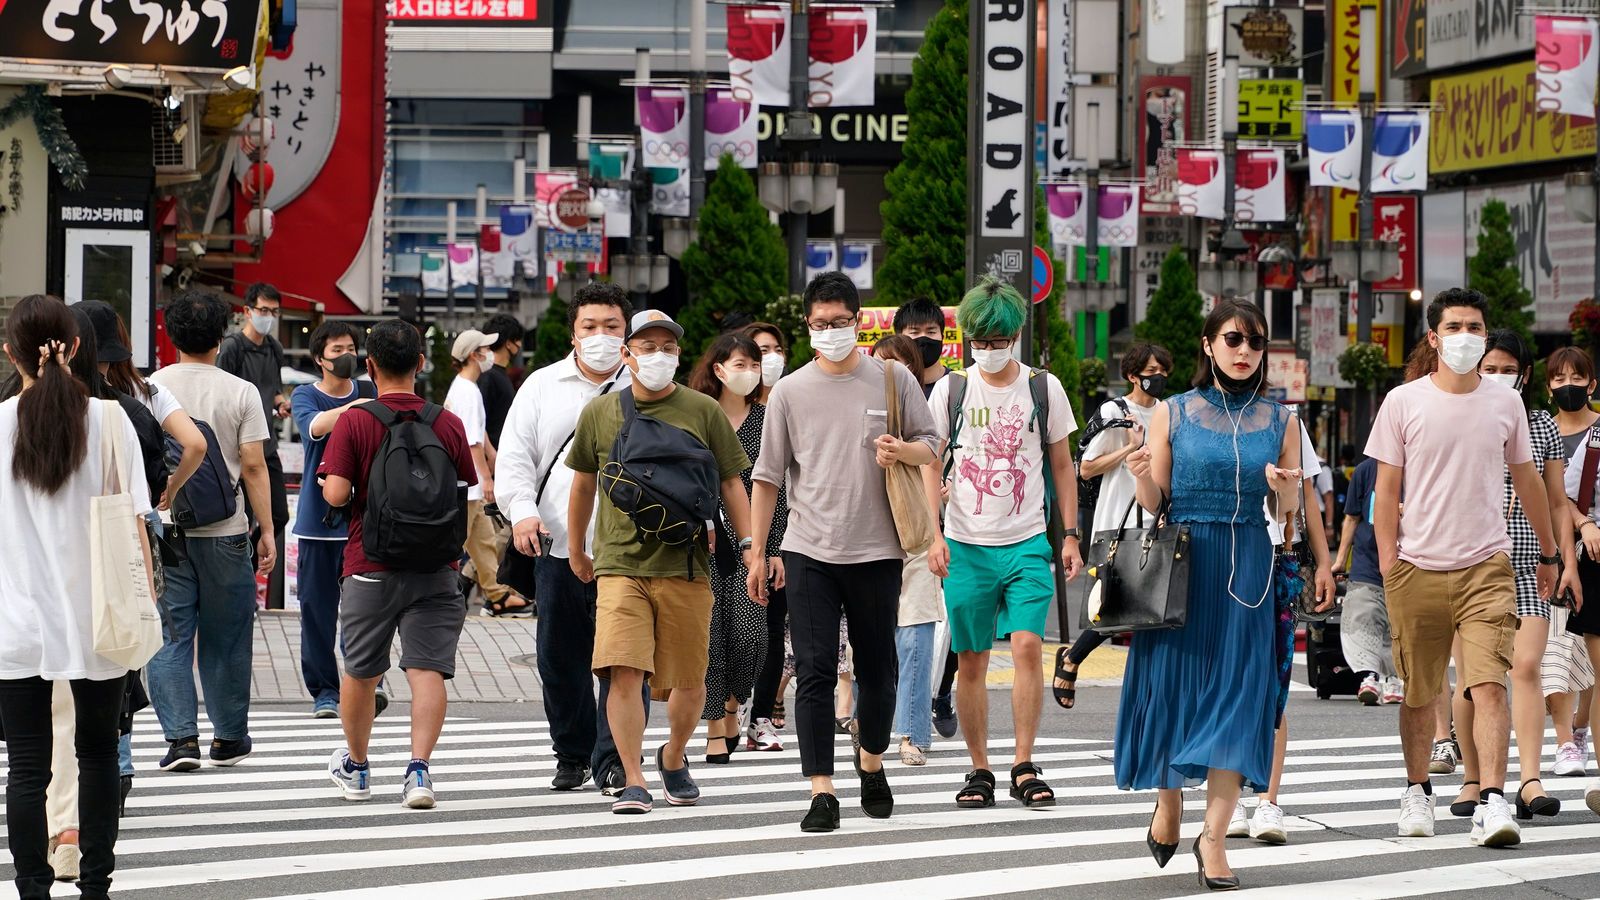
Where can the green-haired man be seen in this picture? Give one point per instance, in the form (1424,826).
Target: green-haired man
(1007,429)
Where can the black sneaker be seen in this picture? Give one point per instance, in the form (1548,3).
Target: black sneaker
(182,756)
(823,815)
(876,798)
(122,801)
(230,753)
(569,776)
(944,717)
(613,783)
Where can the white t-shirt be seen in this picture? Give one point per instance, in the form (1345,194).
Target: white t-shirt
(997,483)
(1309,468)
(466,401)
(46,612)
(232,407)
(161,404)
(1324,483)
(1118,486)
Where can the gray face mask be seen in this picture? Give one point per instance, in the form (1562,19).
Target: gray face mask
(343,366)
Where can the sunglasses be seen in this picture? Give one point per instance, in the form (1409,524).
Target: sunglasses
(1258,342)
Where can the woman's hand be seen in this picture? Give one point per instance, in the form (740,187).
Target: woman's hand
(1138,463)
(1282,479)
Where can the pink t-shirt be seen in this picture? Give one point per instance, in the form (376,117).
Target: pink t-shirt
(1452,448)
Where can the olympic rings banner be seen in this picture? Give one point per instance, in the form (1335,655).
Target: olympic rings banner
(1564,57)
(1118,223)
(842,47)
(1201,191)
(664,125)
(730,128)
(1069,216)
(1260,186)
(1334,139)
(1399,152)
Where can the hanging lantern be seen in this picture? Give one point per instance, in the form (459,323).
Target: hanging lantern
(257,179)
(258,135)
(258,223)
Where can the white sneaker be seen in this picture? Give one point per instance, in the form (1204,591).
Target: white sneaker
(1591,797)
(1416,813)
(1370,692)
(762,736)
(1394,690)
(1492,824)
(1569,760)
(1239,826)
(1266,825)
(355,785)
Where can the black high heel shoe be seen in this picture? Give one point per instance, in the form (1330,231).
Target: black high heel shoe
(1163,853)
(1231,883)
(1539,806)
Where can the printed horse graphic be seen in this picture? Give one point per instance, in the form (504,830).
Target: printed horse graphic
(996,482)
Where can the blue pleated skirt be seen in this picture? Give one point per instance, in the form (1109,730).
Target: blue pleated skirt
(1204,696)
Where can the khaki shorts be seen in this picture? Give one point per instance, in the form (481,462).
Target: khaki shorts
(660,626)
(1428,609)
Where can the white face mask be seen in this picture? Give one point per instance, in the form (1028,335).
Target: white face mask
(1506,379)
(991,361)
(835,344)
(656,370)
(1462,352)
(601,352)
(741,383)
(771,368)
(486,359)
(263,324)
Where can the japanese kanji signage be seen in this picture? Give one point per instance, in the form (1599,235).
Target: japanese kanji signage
(1394,219)
(1490,118)
(1269,109)
(464,10)
(184,34)
(1164,125)
(300,94)
(1261,37)
(104,216)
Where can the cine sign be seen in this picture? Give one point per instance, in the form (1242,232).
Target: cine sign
(1006,128)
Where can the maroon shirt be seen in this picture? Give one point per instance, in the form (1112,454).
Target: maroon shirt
(354,444)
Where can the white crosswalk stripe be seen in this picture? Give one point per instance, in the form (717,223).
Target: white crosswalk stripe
(273,828)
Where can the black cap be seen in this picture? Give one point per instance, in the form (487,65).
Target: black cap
(107,348)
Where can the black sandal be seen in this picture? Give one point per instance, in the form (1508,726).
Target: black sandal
(1539,806)
(1029,791)
(504,606)
(721,759)
(780,715)
(978,792)
(1463,809)
(1065,696)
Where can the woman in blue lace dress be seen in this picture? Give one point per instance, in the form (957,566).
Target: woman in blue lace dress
(1198,702)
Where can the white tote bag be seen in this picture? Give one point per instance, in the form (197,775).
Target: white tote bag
(127,626)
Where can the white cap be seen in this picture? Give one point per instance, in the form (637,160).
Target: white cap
(469,342)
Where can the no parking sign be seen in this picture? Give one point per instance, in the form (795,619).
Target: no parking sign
(1044,274)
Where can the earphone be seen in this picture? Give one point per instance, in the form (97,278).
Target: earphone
(1238,492)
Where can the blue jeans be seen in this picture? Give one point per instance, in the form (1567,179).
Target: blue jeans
(125,753)
(913,701)
(211,597)
(321,563)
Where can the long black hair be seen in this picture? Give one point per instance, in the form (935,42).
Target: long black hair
(52,429)
(1253,322)
(1504,339)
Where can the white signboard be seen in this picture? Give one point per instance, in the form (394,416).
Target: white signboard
(1006,124)
(300,94)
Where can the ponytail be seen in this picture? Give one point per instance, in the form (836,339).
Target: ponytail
(52,429)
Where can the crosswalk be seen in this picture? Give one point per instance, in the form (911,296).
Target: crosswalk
(274,828)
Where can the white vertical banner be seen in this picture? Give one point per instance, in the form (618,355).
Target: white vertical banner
(1333,138)
(821,256)
(1260,186)
(844,52)
(730,129)
(517,233)
(547,189)
(464,264)
(855,260)
(1006,124)
(758,54)
(1201,189)
(1117,223)
(1564,56)
(1164,31)
(1058,88)
(669,191)
(1069,214)
(1400,152)
(435,274)
(664,126)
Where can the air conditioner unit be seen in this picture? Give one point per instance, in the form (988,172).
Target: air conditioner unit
(175,137)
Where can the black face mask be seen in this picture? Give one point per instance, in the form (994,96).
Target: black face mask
(1230,385)
(931,349)
(343,366)
(1571,397)
(1154,385)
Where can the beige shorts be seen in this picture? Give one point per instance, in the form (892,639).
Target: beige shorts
(660,626)
(1428,609)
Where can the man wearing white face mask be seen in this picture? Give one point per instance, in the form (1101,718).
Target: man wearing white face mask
(254,354)
(534,487)
(1446,566)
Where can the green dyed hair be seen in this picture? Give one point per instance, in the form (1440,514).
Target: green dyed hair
(992,309)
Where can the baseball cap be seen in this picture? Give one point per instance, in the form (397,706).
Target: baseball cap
(654,318)
(108,348)
(469,342)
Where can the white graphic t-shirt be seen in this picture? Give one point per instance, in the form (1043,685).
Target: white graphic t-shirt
(997,484)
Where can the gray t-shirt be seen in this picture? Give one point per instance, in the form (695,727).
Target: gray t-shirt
(232,407)
(820,433)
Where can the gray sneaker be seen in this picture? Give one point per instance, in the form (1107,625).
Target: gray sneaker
(680,786)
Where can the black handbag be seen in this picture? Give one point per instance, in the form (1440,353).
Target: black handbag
(1138,578)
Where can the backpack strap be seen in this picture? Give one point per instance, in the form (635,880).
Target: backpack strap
(1039,389)
(378,410)
(629,409)
(429,413)
(956,395)
(1591,466)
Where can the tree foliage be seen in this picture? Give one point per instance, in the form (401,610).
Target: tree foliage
(1493,272)
(737,264)
(1174,318)
(552,338)
(925,215)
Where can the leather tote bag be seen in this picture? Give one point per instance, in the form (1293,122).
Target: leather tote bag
(907,500)
(127,626)
(1138,577)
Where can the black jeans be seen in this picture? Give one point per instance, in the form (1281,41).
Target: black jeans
(25,714)
(1086,643)
(766,692)
(564,642)
(869,595)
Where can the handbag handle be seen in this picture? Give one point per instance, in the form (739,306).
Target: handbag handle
(891,398)
(111,461)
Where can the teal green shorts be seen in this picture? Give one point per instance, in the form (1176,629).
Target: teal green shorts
(994,591)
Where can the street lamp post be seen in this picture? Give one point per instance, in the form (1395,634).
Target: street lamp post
(697,107)
(797,138)
(1367,101)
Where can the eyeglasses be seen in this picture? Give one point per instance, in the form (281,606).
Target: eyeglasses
(995,344)
(647,347)
(1258,342)
(264,310)
(845,322)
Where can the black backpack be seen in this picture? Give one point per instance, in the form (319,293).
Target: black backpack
(663,479)
(416,515)
(210,495)
(1089,488)
(152,444)
(1039,390)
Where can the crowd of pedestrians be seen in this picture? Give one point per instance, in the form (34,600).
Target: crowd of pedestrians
(699,545)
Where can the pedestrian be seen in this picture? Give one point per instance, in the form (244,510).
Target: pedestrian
(826,434)
(316,408)
(51,466)
(1450,437)
(210,597)
(777,666)
(1364,618)
(535,489)
(494,382)
(730,373)
(402,468)
(1508,360)
(1007,429)
(654,601)
(1572,383)
(1145,366)
(1568,671)
(921,613)
(471,355)
(254,354)
(1215,453)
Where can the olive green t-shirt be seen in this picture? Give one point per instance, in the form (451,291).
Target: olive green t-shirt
(617,547)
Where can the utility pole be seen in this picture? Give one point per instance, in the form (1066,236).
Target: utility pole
(697,107)
(1367,100)
(639,195)
(480,212)
(798,136)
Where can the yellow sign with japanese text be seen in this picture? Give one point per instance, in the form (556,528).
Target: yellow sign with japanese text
(1269,109)
(1491,118)
(1345,50)
(877,323)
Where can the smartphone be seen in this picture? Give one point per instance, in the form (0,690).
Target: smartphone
(545,543)
(1563,600)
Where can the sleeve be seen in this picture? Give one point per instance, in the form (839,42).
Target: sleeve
(1310,467)
(339,457)
(1108,439)
(303,408)
(916,420)
(583,455)
(137,487)
(732,461)
(1355,496)
(1062,421)
(1552,440)
(517,471)
(1519,447)
(252,418)
(776,450)
(1387,443)
(472,417)
(1324,481)
(163,403)
(454,437)
(939,406)
(780,523)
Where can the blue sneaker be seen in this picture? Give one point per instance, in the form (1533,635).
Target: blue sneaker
(182,756)
(353,784)
(325,708)
(418,790)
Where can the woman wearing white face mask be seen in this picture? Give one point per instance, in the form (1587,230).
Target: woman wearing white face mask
(766,701)
(774,354)
(730,372)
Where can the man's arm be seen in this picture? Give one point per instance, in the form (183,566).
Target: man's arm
(257,488)
(1347,546)
(763,503)
(580,506)
(1386,516)
(1066,478)
(1530,488)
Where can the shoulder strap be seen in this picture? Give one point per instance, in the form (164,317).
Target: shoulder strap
(629,409)
(1039,388)
(556,460)
(1591,466)
(1122,404)
(385,416)
(110,459)
(954,397)
(891,398)
(429,413)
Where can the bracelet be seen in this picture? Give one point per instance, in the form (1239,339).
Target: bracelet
(746,543)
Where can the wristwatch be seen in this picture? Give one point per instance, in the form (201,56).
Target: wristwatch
(1070,533)
(1550,560)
